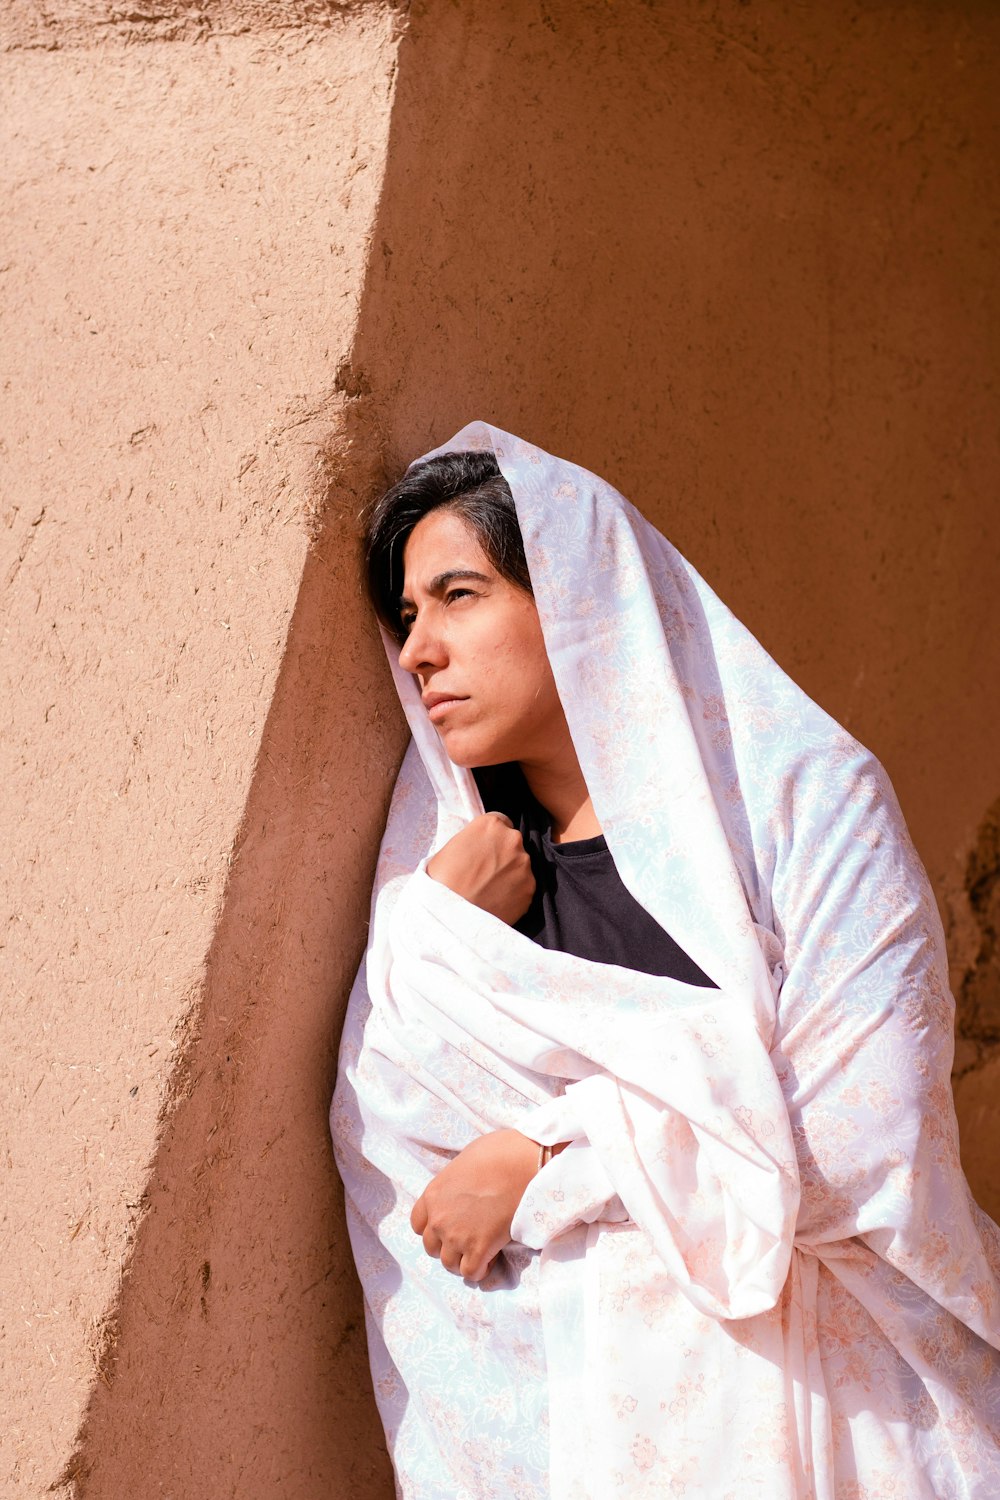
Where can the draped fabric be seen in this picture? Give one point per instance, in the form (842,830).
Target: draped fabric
(757,1271)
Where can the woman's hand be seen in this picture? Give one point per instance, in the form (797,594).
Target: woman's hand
(464,1213)
(487,863)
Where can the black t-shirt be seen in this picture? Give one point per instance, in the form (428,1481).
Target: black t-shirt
(580,905)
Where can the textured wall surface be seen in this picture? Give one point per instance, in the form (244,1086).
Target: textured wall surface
(184,235)
(737,257)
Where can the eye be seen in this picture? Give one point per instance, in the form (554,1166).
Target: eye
(408,618)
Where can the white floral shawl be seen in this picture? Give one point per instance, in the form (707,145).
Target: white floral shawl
(758,1270)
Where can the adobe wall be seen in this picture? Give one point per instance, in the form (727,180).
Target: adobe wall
(737,257)
(193,785)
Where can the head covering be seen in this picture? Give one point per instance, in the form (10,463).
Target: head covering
(764,1178)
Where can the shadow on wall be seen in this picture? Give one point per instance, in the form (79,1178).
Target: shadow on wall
(624,233)
(237,1363)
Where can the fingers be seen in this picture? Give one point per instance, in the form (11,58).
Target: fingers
(451,1257)
(432,1242)
(471,1265)
(419,1215)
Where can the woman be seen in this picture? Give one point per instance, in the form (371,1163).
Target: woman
(642,905)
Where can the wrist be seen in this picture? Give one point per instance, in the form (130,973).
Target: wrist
(546,1153)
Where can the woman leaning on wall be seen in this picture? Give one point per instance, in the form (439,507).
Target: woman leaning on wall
(644,1113)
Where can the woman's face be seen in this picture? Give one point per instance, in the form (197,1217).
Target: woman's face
(474,642)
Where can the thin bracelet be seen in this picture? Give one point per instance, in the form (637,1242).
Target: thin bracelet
(544,1155)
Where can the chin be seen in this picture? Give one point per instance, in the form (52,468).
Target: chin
(471,755)
(468,761)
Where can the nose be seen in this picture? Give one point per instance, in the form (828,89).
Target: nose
(422,648)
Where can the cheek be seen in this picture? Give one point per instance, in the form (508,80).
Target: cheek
(526,669)
(509,667)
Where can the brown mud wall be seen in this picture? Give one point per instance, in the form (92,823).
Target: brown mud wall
(737,257)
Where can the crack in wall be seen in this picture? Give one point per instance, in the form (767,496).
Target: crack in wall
(977,994)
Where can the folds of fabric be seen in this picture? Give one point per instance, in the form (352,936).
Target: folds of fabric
(757,1270)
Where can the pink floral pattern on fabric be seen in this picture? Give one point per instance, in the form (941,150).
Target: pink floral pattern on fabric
(757,1272)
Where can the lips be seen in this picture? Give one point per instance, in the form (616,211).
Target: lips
(440,704)
(429,699)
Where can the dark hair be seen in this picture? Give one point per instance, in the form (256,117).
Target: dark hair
(471,485)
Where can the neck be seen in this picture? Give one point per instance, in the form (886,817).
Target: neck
(560,788)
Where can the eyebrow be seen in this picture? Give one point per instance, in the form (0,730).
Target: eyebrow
(441,582)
